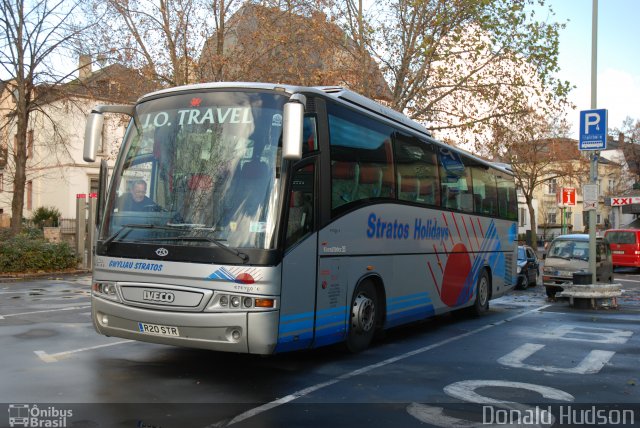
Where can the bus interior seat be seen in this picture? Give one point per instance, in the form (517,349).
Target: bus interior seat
(450,198)
(477,203)
(344,182)
(465,201)
(370,181)
(427,191)
(409,187)
(502,201)
(388,186)
(300,214)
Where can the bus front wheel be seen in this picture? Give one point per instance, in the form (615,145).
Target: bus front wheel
(363,318)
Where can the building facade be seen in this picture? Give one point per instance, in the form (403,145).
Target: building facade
(56,172)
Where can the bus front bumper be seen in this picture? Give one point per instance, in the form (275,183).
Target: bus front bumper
(243,332)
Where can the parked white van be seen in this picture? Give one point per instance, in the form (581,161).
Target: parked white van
(570,253)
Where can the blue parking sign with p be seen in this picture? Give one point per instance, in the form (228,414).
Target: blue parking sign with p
(593,129)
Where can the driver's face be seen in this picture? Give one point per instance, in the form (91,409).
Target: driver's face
(138,192)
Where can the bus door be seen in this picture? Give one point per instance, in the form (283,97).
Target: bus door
(297,310)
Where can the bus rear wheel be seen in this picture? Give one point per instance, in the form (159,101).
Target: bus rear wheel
(363,317)
(481,304)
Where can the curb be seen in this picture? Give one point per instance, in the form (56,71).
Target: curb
(20,276)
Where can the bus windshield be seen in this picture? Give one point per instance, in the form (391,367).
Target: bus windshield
(199,168)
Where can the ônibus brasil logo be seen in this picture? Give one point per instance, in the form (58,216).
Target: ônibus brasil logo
(31,415)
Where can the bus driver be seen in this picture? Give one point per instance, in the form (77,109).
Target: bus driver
(137,199)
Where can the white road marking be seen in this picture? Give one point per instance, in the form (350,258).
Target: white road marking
(466,390)
(587,334)
(70,308)
(578,333)
(52,358)
(592,363)
(306,391)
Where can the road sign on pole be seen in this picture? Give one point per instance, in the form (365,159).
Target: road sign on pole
(593,130)
(589,197)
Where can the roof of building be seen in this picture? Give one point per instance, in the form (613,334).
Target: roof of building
(113,83)
(271,45)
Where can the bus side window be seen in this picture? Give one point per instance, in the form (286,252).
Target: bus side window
(417,170)
(301,205)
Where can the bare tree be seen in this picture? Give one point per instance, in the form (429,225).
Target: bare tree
(629,143)
(162,38)
(36,35)
(537,153)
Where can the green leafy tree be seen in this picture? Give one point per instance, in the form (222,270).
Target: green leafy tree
(458,65)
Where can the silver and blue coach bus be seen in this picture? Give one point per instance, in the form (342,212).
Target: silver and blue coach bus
(266,218)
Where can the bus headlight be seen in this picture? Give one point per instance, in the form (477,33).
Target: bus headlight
(233,302)
(106,290)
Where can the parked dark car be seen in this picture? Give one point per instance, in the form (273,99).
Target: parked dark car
(528,267)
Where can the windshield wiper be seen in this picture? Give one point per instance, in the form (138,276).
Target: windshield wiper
(217,242)
(133,226)
(124,227)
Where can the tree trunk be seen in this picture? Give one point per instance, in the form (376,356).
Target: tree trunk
(20,160)
(532,216)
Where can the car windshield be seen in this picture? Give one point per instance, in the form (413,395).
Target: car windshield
(199,169)
(569,249)
(522,254)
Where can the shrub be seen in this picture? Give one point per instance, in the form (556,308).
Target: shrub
(46,217)
(22,253)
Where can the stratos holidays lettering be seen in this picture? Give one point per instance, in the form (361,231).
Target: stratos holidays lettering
(379,228)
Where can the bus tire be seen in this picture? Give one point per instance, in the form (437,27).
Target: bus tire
(481,304)
(363,317)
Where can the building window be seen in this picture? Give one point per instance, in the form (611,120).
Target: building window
(523,217)
(553,185)
(1,183)
(611,186)
(29,195)
(551,218)
(598,218)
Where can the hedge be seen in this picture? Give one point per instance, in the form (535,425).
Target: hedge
(28,252)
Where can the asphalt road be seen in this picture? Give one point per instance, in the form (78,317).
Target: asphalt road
(527,356)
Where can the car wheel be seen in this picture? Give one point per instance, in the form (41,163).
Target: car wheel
(551,292)
(363,320)
(520,283)
(535,279)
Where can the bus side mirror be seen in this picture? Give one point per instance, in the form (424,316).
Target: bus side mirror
(92,135)
(93,128)
(292,125)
